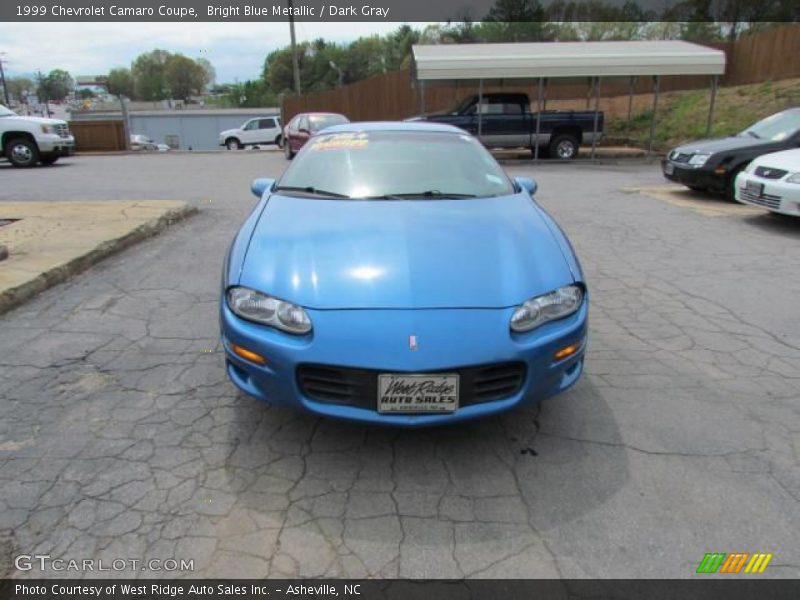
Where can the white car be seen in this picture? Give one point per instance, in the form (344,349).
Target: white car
(262,130)
(26,141)
(142,142)
(772,181)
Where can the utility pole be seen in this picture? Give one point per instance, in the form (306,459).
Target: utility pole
(295,63)
(3,80)
(126,121)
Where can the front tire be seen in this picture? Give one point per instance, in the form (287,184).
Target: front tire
(22,153)
(287,150)
(279,141)
(564,147)
(233,144)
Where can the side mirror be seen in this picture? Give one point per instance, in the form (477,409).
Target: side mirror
(526,183)
(261,185)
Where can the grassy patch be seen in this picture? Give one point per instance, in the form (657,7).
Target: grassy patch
(682,116)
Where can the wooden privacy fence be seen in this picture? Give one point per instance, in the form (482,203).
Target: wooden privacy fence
(768,55)
(98,136)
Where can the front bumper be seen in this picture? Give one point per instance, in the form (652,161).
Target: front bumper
(776,196)
(55,144)
(448,340)
(700,177)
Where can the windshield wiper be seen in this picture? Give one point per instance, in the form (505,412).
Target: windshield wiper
(425,194)
(755,135)
(308,189)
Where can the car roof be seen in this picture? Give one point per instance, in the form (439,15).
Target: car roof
(401,126)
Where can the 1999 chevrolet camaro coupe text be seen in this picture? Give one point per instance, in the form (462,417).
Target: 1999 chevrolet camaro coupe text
(394,274)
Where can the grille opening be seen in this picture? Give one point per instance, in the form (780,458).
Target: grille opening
(359,387)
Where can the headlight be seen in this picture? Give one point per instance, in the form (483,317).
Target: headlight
(549,307)
(793,178)
(48,129)
(751,166)
(698,160)
(258,307)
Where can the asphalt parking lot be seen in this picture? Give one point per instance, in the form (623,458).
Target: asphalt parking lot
(120,436)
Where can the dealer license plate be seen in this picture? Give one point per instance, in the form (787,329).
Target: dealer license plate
(754,187)
(669,168)
(431,393)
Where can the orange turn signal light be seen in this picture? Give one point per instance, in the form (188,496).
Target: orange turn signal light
(248,355)
(720,170)
(567,351)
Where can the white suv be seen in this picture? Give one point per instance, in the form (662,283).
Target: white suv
(262,130)
(26,141)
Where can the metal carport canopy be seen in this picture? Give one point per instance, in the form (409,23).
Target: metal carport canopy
(565,59)
(561,60)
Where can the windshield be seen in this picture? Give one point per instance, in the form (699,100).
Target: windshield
(320,122)
(4,112)
(462,106)
(395,165)
(776,127)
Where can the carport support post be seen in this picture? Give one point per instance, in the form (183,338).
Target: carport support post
(656,84)
(538,120)
(544,98)
(596,114)
(480,107)
(714,84)
(631,85)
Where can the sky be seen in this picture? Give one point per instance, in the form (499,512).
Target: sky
(237,50)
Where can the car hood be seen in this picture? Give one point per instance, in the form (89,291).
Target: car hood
(788,160)
(339,254)
(37,120)
(229,132)
(726,144)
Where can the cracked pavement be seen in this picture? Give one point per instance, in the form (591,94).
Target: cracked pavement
(120,436)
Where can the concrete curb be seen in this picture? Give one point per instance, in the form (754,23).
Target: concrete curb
(13,297)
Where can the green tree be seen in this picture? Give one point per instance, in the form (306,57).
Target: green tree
(209,73)
(150,75)
(120,82)
(56,85)
(278,72)
(19,88)
(184,77)
(398,46)
(515,21)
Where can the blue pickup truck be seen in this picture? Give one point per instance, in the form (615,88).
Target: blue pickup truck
(507,122)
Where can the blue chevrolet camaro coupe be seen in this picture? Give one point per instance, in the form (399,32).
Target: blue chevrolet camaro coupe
(394,274)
